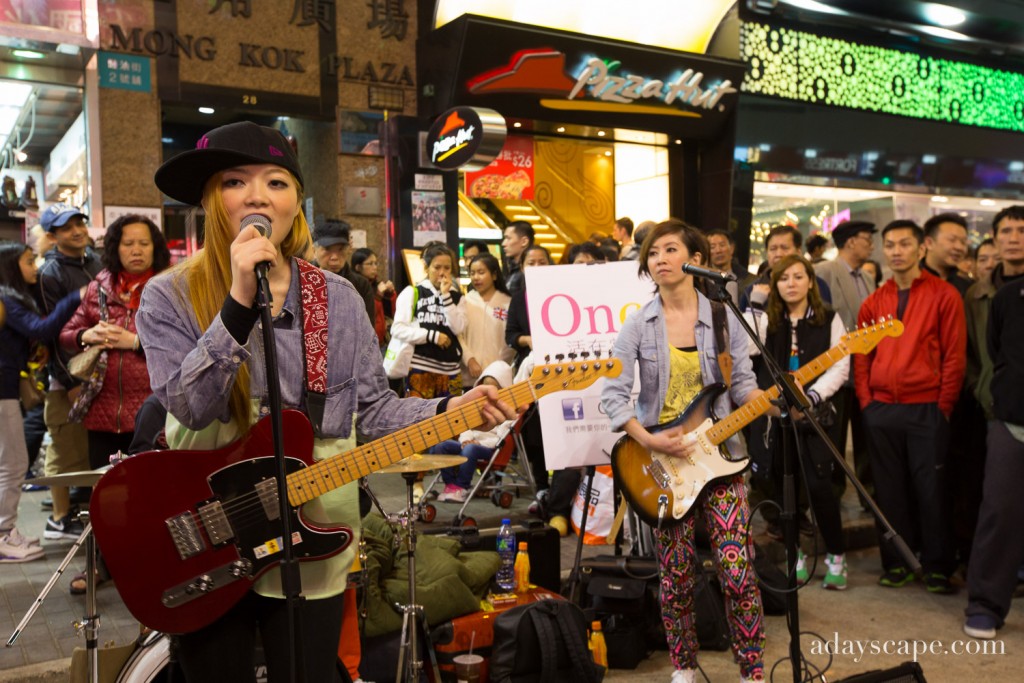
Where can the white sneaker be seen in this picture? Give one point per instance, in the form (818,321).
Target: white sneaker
(684,676)
(13,548)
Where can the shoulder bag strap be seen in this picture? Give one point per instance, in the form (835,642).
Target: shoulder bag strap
(313,286)
(546,640)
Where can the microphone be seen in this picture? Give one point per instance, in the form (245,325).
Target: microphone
(262,225)
(697,271)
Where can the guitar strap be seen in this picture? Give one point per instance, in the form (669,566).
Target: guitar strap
(721,330)
(313,286)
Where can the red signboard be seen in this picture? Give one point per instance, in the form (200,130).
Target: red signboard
(509,176)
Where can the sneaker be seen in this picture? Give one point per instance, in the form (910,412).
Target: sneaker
(802,576)
(537,506)
(939,584)
(65,527)
(453,494)
(684,676)
(14,548)
(18,539)
(981,626)
(561,523)
(897,577)
(835,575)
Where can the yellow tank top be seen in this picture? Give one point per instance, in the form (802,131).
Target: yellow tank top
(684,382)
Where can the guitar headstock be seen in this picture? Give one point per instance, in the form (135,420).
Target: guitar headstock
(864,339)
(572,372)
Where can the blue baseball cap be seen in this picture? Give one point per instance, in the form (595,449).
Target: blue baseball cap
(57,215)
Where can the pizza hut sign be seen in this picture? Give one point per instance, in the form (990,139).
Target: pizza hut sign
(466,137)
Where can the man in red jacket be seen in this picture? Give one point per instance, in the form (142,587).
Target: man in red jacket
(907,388)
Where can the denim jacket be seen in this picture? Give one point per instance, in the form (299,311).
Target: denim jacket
(643,339)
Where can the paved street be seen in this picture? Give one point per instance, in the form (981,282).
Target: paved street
(866,613)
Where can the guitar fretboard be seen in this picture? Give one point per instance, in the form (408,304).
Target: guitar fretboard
(747,413)
(330,473)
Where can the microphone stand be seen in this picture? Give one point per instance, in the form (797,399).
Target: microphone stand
(791,398)
(291,579)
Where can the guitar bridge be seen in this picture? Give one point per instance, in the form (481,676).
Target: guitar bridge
(658,473)
(185,534)
(198,586)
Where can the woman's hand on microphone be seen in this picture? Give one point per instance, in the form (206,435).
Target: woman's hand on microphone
(247,250)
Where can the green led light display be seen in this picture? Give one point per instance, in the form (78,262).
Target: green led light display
(802,66)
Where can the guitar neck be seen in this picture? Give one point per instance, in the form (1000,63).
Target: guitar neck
(331,473)
(747,413)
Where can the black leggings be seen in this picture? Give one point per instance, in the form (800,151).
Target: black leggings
(224,651)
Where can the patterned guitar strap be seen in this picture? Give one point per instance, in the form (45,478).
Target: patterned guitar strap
(313,291)
(721,330)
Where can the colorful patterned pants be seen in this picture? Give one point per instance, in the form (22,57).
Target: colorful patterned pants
(726,514)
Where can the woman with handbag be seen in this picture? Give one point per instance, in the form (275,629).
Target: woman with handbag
(673,338)
(796,326)
(23,327)
(112,362)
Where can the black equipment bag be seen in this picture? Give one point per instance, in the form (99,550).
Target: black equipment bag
(543,547)
(542,642)
(622,593)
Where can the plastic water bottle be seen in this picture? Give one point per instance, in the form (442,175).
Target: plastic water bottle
(507,553)
(522,569)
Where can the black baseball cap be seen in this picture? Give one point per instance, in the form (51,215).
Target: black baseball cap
(236,144)
(330,232)
(848,229)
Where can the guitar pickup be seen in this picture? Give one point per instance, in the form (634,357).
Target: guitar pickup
(185,535)
(266,490)
(215,521)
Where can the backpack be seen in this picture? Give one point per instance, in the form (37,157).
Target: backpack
(541,642)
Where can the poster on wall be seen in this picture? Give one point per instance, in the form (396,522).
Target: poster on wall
(428,218)
(574,309)
(509,176)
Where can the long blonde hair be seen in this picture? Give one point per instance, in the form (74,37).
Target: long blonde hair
(207,277)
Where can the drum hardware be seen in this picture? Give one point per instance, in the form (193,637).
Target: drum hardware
(90,622)
(414,624)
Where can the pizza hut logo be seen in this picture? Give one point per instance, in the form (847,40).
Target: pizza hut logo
(455,136)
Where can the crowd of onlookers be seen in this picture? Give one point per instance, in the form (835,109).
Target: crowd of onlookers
(934,416)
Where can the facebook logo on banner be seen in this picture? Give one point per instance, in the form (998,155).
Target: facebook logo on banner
(572,408)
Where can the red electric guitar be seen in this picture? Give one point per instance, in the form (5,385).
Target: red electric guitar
(186,533)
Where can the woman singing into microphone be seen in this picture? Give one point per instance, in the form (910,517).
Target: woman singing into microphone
(673,339)
(198,328)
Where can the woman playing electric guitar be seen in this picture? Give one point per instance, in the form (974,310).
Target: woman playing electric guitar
(673,340)
(197,325)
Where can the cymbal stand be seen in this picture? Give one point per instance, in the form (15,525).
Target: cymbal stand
(414,624)
(88,624)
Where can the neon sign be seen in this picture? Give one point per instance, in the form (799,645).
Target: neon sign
(686,89)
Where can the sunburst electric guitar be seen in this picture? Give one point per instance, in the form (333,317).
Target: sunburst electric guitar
(663,489)
(186,533)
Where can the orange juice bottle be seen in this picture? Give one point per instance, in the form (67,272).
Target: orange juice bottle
(522,569)
(598,648)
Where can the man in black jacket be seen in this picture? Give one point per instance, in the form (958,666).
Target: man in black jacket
(998,549)
(70,265)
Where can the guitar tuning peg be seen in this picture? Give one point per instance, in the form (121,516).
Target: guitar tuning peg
(547,359)
(559,357)
(572,356)
(584,354)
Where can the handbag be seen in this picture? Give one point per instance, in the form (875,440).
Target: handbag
(398,355)
(30,393)
(82,365)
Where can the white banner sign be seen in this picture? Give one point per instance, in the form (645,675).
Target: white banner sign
(574,309)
